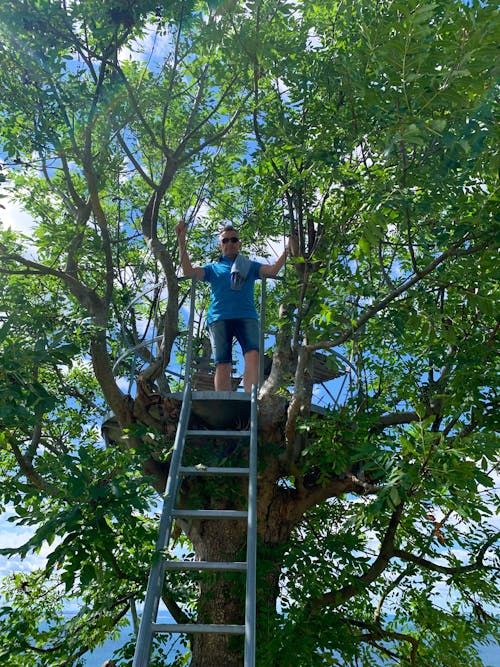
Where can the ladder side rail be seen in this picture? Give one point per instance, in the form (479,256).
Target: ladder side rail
(250,596)
(262,328)
(189,345)
(156,576)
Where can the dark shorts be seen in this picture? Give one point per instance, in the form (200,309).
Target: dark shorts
(222,333)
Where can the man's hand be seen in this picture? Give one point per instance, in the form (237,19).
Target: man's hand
(181,229)
(188,269)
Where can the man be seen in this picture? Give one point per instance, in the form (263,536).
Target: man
(232,312)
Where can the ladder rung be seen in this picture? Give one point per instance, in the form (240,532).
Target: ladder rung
(210,514)
(211,471)
(235,566)
(222,434)
(189,628)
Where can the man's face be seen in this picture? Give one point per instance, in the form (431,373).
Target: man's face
(229,244)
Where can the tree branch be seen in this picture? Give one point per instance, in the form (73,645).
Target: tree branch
(210,141)
(137,166)
(95,200)
(300,405)
(387,549)
(136,107)
(87,297)
(178,614)
(395,418)
(376,632)
(98,348)
(28,470)
(454,251)
(443,569)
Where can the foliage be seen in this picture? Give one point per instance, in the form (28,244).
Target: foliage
(364,129)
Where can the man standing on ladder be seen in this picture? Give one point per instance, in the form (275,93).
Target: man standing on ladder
(232,312)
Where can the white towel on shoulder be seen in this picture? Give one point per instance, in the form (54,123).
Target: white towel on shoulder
(239,271)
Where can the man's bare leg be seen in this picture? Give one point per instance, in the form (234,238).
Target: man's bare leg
(222,379)
(251,374)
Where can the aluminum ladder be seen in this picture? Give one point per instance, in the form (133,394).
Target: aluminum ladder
(149,625)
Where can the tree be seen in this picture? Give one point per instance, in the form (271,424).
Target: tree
(370,127)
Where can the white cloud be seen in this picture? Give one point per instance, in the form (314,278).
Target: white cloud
(12,536)
(314,41)
(12,216)
(153,47)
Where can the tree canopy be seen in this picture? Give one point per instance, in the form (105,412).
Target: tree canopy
(367,131)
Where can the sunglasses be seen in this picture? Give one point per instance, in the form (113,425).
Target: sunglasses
(233,239)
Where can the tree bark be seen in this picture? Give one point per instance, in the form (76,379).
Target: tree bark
(222,595)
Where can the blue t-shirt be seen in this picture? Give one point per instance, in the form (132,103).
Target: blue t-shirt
(226,303)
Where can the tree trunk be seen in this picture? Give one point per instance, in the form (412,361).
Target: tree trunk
(222,595)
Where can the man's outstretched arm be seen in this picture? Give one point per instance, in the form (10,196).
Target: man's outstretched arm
(271,270)
(188,269)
